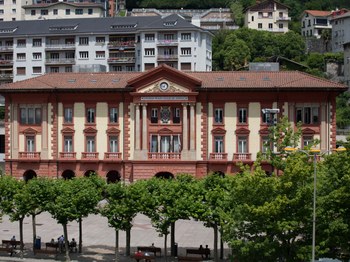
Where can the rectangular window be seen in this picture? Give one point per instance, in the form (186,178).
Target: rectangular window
(242,145)
(149,52)
(90,115)
(219,144)
(1,11)
(79,11)
(30,115)
(36,69)
(113,144)
(270,25)
(186,51)
(90,144)
(37,42)
(130,68)
(176,144)
(55,11)
(90,11)
(54,69)
(84,55)
(307,115)
(307,141)
(13,11)
(218,115)
(30,144)
(67,11)
(149,37)
(176,115)
(83,41)
(242,115)
(44,12)
(154,143)
(252,18)
(260,25)
(100,54)
(165,144)
(21,43)
(36,56)
(68,69)
(185,36)
(68,115)
(100,39)
(21,56)
(280,26)
(113,115)
(32,12)
(68,144)
(265,144)
(21,70)
(154,115)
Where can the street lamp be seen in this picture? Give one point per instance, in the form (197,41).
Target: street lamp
(314,152)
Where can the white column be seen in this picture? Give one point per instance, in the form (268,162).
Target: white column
(144,126)
(192,127)
(184,128)
(137,127)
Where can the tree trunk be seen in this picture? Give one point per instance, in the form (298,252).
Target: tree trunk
(172,238)
(215,227)
(165,246)
(116,245)
(21,235)
(221,247)
(34,230)
(80,235)
(65,234)
(128,238)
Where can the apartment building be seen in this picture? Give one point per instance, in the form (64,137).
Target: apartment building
(33,48)
(268,15)
(11,10)
(340,30)
(313,22)
(136,125)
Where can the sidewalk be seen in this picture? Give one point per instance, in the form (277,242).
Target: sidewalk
(99,238)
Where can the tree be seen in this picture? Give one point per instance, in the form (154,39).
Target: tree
(237,54)
(343,110)
(237,11)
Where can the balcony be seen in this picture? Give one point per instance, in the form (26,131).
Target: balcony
(167,57)
(4,77)
(6,48)
(60,46)
(283,18)
(218,156)
(121,44)
(164,156)
(29,156)
(89,156)
(68,155)
(60,61)
(167,42)
(6,62)
(119,60)
(110,156)
(242,157)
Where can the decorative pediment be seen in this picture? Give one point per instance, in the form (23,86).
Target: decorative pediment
(90,130)
(264,131)
(242,131)
(165,131)
(112,130)
(218,131)
(30,130)
(67,130)
(308,131)
(164,87)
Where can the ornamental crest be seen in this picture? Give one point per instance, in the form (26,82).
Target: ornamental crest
(165,114)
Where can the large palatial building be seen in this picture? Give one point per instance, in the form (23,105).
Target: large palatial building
(136,125)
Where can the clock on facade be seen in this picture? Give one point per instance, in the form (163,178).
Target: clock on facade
(163,86)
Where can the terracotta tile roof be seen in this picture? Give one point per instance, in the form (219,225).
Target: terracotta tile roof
(318,12)
(246,80)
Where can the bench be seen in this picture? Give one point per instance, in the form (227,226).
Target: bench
(151,249)
(52,245)
(7,250)
(203,252)
(46,251)
(13,243)
(188,259)
(140,257)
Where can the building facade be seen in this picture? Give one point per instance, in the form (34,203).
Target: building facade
(11,10)
(313,22)
(268,15)
(340,33)
(136,125)
(32,48)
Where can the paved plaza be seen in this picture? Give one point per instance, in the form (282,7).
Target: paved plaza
(99,238)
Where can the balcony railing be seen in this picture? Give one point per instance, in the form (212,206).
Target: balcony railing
(167,42)
(116,60)
(119,44)
(242,157)
(60,46)
(29,155)
(167,57)
(6,48)
(89,155)
(218,156)
(64,61)
(6,62)
(6,77)
(283,18)
(164,156)
(67,155)
(113,156)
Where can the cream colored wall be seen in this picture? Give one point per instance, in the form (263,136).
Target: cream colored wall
(21,144)
(210,128)
(230,125)
(254,125)
(121,127)
(199,123)
(38,140)
(49,130)
(132,129)
(60,127)
(79,122)
(101,125)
